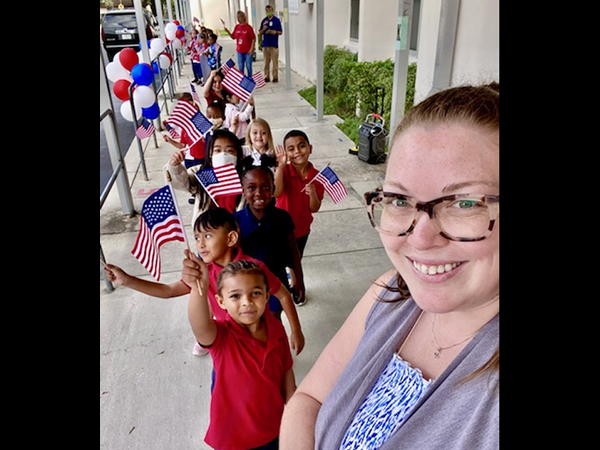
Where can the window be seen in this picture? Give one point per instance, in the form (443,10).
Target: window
(354,15)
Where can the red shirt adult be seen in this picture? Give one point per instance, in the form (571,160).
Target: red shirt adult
(296,202)
(244,35)
(247,402)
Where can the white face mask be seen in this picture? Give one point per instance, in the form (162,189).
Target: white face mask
(222,158)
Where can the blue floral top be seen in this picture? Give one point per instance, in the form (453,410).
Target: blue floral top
(399,387)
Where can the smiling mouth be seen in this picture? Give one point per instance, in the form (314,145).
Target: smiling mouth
(435,269)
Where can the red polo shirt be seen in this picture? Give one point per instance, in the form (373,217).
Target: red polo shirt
(247,402)
(295,202)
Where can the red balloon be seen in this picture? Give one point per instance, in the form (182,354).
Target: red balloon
(121,89)
(180,34)
(176,22)
(128,58)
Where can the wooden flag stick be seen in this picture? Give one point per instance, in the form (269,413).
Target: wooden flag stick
(313,179)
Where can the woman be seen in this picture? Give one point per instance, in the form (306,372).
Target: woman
(416,363)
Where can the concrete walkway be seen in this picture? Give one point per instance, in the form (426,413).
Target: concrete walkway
(154,394)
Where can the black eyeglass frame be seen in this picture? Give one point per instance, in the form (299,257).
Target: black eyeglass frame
(490,200)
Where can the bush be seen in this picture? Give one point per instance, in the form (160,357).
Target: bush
(349,85)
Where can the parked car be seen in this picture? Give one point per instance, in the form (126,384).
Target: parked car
(119,30)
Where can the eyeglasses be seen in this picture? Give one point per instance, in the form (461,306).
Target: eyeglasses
(460,217)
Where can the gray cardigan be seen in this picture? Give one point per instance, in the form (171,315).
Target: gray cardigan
(450,415)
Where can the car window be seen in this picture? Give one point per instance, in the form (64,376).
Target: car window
(119,21)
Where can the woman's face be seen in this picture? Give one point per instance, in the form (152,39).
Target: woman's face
(428,163)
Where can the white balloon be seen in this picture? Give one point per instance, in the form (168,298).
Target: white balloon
(170,34)
(164,61)
(115,71)
(143,96)
(157,45)
(126,111)
(170,26)
(177,44)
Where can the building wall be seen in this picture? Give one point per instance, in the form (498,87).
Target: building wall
(477,45)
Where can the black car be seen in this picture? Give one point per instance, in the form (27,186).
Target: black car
(120,30)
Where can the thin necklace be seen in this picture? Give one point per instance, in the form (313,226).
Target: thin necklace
(439,349)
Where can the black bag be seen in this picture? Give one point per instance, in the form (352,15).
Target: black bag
(371,140)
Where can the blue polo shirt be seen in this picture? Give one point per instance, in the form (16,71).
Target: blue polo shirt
(267,239)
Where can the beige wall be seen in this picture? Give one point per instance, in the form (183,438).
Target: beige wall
(476,55)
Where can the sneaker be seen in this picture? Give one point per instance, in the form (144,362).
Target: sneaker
(275,80)
(267,80)
(192,200)
(199,351)
(295,298)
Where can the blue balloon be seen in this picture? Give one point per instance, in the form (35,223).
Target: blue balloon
(142,74)
(155,66)
(152,112)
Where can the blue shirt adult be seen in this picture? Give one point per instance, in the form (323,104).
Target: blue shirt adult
(272,23)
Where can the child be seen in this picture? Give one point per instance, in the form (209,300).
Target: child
(223,147)
(193,48)
(213,51)
(267,231)
(259,140)
(217,243)
(236,119)
(253,366)
(292,190)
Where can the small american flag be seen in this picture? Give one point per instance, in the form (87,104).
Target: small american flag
(172,132)
(239,84)
(223,180)
(332,184)
(146,129)
(228,65)
(195,95)
(186,116)
(259,79)
(159,223)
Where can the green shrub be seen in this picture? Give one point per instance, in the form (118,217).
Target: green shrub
(349,85)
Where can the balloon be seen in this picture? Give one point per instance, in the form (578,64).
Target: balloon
(176,22)
(155,67)
(142,74)
(177,44)
(126,111)
(164,61)
(157,45)
(180,33)
(115,71)
(170,34)
(121,89)
(128,58)
(143,96)
(152,112)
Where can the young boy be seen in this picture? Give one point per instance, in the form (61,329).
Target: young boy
(268,231)
(217,243)
(254,377)
(293,193)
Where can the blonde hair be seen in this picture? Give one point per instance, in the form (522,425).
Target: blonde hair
(265,124)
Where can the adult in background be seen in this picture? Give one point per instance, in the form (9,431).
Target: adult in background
(270,30)
(416,363)
(244,37)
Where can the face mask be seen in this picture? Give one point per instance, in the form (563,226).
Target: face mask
(220,159)
(269,14)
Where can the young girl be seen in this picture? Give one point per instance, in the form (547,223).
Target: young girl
(223,147)
(236,119)
(253,365)
(268,231)
(259,140)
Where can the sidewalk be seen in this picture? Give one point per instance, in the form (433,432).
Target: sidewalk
(154,394)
